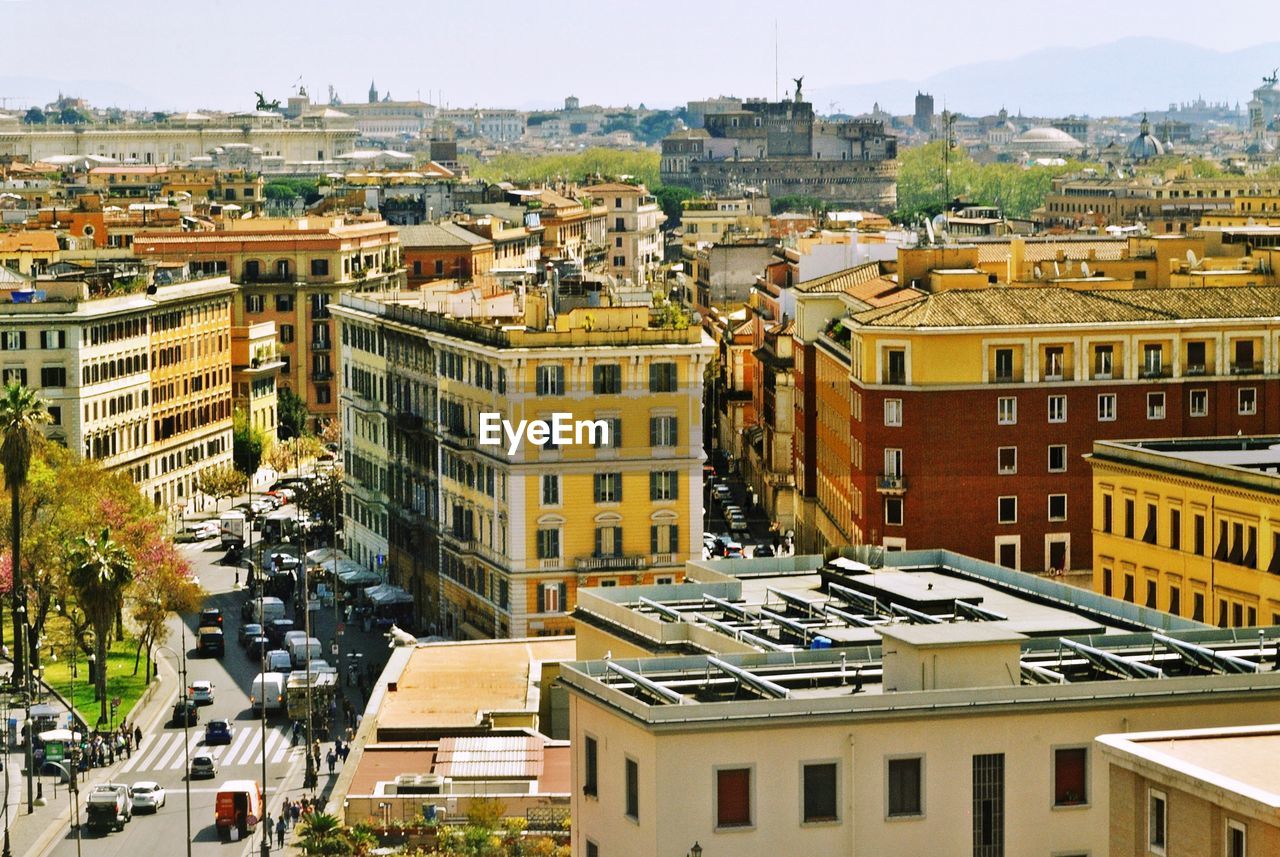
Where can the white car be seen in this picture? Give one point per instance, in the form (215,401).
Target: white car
(147,795)
(206,530)
(201,692)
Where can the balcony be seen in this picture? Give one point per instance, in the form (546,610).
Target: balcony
(610,563)
(1245,367)
(321,375)
(892,485)
(321,345)
(899,378)
(1004,378)
(1194,369)
(1155,372)
(408,422)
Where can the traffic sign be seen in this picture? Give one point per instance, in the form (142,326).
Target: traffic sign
(53,751)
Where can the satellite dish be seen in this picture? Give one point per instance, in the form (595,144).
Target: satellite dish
(1084,269)
(1039,273)
(1191,258)
(928,225)
(697,318)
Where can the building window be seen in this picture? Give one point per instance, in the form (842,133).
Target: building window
(664,485)
(1004,364)
(286,333)
(590,757)
(1106,407)
(1007,460)
(1102,360)
(1199,406)
(1057,458)
(632,787)
(663,431)
(1152,360)
(1057,507)
(1155,406)
(323,396)
(551,489)
(1057,409)
(284,303)
(439,267)
(1237,839)
(614,438)
(1247,401)
(1175,601)
(593,850)
(608,487)
(1128,588)
(608,541)
(53,376)
(1195,359)
(895,366)
(893,412)
(53,339)
(1175,529)
(549,381)
(1053,364)
(1157,821)
(1198,535)
(821,786)
(1106,513)
(662,377)
(733,797)
(1007,510)
(55,415)
(893,511)
(1149,534)
(549,543)
(319,267)
(1197,607)
(1128,518)
(905,787)
(1071,776)
(253,303)
(15,376)
(663,538)
(1006,410)
(551,598)
(606,379)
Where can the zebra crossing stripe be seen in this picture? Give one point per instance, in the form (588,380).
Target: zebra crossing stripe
(282,750)
(159,747)
(249,751)
(229,752)
(180,760)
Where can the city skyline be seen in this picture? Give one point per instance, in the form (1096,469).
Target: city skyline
(838,50)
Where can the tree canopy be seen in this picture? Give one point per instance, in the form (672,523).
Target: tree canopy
(585,165)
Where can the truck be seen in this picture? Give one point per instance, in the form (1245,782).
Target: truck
(267,691)
(324,686)
(237,809)
(304,650)
(108,807)
(265,610)
(231,528)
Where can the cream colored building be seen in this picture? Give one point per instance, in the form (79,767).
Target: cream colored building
(140,382)
(634,240)
(1207,792)
(953,734)
(495,539)
(255,367)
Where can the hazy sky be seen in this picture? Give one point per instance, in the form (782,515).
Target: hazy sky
(179,54)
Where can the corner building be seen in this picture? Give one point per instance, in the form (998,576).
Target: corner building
(493,544)
(970,410)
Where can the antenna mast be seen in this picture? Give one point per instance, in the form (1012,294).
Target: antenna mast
(775,59)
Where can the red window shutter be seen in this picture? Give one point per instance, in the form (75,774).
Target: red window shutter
(733,801)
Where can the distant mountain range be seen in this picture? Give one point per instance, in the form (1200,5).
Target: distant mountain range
(1114,79)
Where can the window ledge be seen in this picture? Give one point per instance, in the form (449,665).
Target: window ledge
(919,816)
(735,828)
(1069,807)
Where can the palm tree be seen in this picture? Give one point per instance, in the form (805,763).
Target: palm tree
(101,570)
(323,834)
(21,413)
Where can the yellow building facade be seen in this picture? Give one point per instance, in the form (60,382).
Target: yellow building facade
(521,525)
(1190,527)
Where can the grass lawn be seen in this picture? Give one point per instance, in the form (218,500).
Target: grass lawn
(121,682)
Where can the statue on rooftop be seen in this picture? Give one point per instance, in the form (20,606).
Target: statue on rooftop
(799,83)
(264,104)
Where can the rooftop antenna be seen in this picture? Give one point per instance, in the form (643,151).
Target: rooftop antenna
(775,59)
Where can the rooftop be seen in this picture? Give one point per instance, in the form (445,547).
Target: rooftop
(1005,307)
(1252,461)
(439,235)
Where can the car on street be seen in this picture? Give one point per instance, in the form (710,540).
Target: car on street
(203,767)
(185,713)
(763,550)
(277,629)
(279,661)
(211,642)
(210,617)
(202,531)
(247,631)
(738,523)
(201,692)
(731,550)
(257,647)
(147,796)
(218,732)
(721,492)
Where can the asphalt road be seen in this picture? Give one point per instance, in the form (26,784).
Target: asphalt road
(162,756)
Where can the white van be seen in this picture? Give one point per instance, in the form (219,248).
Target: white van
(279,661)
(267,689)
(231,528)
(303,650)
(267,609)
(292,637)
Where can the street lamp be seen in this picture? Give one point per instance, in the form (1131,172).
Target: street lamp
(21,612)
(72,792)
(696,850)
(73,760)
(186,724)
(10,696)
(262,673)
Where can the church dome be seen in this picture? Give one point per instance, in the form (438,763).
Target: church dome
(1047,140)
(1145,145)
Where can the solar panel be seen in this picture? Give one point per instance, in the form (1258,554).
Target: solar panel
(1206,658)
(981,614)
(863,602)
(793,600)
(1034,674)
(1110,662)
(642,683)
(846,616)
(790,624)
(763,685)
(661,609)
(915,615)
(727,606)
(764,643)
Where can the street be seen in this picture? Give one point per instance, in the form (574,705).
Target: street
(162,756)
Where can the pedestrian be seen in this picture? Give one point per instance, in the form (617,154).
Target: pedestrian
(280,827)
(137,737)
(296,812)
(346,750)
(331,759)
(359,719)
(267,829)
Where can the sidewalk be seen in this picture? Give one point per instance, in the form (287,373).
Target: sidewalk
(30,834)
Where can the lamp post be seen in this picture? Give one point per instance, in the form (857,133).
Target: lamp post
(72,792)
(266,834)
(25,678)
(186,724)
(10,696)
(73,758)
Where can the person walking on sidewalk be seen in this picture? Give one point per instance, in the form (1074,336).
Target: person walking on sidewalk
(331,759)
(280,827)
(137,737)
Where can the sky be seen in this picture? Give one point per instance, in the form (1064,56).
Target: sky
(213,54)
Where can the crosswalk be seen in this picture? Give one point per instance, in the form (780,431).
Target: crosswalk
(165,752)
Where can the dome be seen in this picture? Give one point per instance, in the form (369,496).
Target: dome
(1045,139)
(1145,145)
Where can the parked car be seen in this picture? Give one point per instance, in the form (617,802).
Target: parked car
(203,767)
(732,550)
(764,550)
(257,647)
(211,642)
(277,629)
(218,732)
(185,713)
(210,617)
(721,492)
(201,692)
(247,631)
(147,795)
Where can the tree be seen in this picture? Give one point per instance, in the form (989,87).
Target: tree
(248,443)
(670,198)
(292,412)
(220,483)
(72,116)
(162,585)
(321,498)
(102,572)
(34,116)
(21,414)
